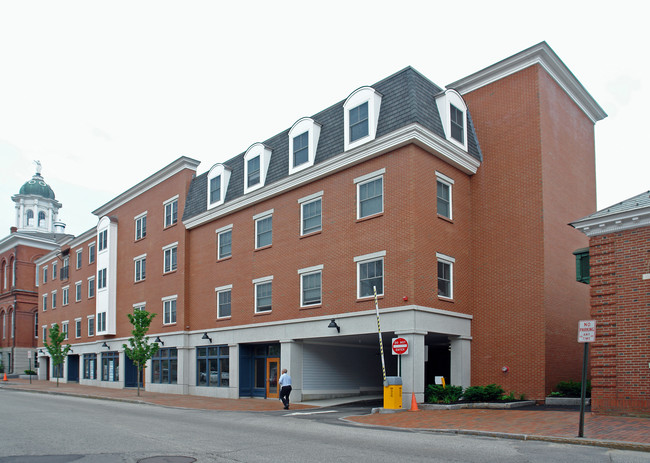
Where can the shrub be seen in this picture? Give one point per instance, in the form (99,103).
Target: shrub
(30,372)
(436,394)
(572,388)
(488,393)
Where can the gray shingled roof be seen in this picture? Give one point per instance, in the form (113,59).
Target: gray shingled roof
(407,97)
(636,202)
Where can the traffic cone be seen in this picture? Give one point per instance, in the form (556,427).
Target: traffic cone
(414,404)
(5,378)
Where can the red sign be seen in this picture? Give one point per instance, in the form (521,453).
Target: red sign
(400,346)
(587,331)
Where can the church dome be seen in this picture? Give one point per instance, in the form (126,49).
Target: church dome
(37,186)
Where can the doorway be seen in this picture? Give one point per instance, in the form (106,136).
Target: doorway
(73,368)
(272,369)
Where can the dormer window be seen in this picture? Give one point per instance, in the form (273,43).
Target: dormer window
(218,179)
(453,115)
(256,165)
(303,141)
(361,115)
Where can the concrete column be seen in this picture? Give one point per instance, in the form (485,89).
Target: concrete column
(233,375)
(412,367)
(291,353)
(461,360)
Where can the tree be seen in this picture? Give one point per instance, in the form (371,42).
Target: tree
(58,352)
(140,350)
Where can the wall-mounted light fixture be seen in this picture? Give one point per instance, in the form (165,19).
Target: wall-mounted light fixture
(158,340)
(105,345)
(334,325)
(205,336)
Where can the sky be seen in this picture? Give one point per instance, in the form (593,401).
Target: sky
(104,94)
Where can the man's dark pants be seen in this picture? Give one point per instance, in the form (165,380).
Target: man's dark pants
(284,395)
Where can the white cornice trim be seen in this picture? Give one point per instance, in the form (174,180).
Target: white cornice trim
(148,183)
(16,239)
(543,55)
(613,223)
(413,133)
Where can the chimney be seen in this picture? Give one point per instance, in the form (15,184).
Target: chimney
(13,230)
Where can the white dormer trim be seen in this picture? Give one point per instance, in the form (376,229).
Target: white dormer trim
(264,153)
(216,171)
(312,128)
(357,98)
(444,102)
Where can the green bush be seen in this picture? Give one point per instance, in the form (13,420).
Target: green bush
(489,393)
(437,394)
(572,388)
(30,372)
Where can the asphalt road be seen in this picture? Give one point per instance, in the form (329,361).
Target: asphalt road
(40,428)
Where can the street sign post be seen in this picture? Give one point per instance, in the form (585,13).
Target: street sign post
(586,334)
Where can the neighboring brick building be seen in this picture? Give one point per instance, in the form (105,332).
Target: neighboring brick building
(617,267)
(270,258)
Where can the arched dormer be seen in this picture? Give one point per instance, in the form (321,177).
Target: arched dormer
(218,180)
(256,166)
(303,142)
(453,115)
(361,115)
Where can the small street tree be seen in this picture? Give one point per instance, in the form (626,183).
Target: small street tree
(140,350)
(58,352)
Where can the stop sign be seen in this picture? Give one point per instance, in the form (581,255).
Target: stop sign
(400,346)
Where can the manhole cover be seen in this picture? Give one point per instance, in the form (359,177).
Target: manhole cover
(167,459)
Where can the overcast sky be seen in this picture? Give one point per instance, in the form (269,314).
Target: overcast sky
(106,93)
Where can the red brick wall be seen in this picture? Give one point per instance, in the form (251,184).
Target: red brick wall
(620,304)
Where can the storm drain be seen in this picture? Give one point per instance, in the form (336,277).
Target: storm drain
(167,459)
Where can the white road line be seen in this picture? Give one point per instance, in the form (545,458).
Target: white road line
(310,413)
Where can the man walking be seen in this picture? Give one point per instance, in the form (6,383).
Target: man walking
(285,388)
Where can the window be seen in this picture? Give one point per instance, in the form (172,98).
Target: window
(301,149)
(65,269)
(457,118)
(164,366)
(36,324)
(102,238)
(110,366)
(90,366)
(212,366)
(45,274)
(445,276)
(253,177)
(91,325)
(370,274)
(169,310)
(79,258)
(443,187)
(582,265)
(171,211)
(370,194)
(77,291)
(141,226)
(30,218)
(310,286)
(41,219)
(139,306)
(224,242)
(169,260)
(91,253)
(44,329)
(361,115)
(359,122)
(54,270)
(215,189)
(77,327)
(44,302)
(453,116)
(256,165)
(224,295)
(65,295)
(263,229)
(91,287)
(311,214)
(101,279)
(64,329)
(101,322)
(140,263)
(263,294)
(54,299)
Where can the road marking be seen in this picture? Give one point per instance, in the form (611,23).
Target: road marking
(310,413)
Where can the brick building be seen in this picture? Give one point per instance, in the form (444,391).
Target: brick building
(452,203)
(617,267)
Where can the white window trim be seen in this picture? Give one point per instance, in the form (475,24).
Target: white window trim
(451,261)
(219,232)
(306,200)
(135,262)
(379,255)
(257,149)
(65,295)
(165,249)
(92,245)
(95,286)
(258,281)
(91,317)
(215,171)
(139,306)
(312,128)
(77,253)
(357,98)
(53,299)
(310,271)
(77,284)
(165,203)
(442,178)
(135,223)
(451,96)
(366,179)
(221,289)
(257,218)
(167,299)
(44,302)
(77,320)
(65,328)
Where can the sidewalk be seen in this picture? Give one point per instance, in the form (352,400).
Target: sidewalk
(544,424)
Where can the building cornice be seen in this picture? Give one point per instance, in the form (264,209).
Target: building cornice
(148,183)
(543,55)
(615,222)
(413,133)
(23,239)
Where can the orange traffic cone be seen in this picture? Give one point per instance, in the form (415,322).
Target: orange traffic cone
(414,404)
(5,378)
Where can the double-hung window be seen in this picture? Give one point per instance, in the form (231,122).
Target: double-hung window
(141,226)
(101,322)
(45,274)
(79,258)
(224,242)
(77,291)
(64,329)
(44,302)
(170,257)
(224,301)
(311,286)
(103,240)
(311,220)
(169,310)
(101,279)
(91,253)
(91,287)
(91,325)
(77,327)
(263,229)
(65,295)
(253,171)
(54,299)
(370,274)
(457,123)
(263,294)
(171,211)
(370,194)
(443,195)
(140,264)
(359,122)
(445,276)
(54,270)
(300,149)
(215,189)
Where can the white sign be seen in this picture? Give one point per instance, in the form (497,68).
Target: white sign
(400,346)
(587,331)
